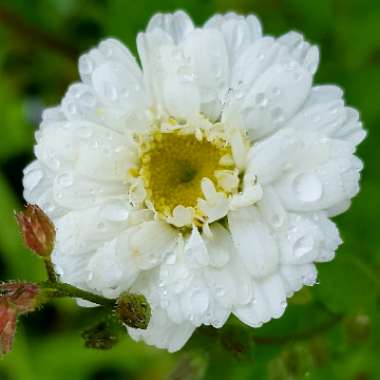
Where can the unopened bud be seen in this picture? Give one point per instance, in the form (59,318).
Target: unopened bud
(8,319)
(37,230)
(100,337)
(24,297)
(133,310)
(17,298)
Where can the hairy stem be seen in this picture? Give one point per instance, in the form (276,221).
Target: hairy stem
(50,270)
(67,290)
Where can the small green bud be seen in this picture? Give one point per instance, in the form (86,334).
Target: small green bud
(37,230)
(100,337)
(133,310)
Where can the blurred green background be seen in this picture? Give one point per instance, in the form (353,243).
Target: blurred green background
(331,331)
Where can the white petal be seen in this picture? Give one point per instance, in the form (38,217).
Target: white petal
(150,242)
(117,86)
(211,68)
(257,312)
(178,25)
(296,276)
(195,249)
(163,333)
(108,50)
(308,238)
(38,182)
(109,274)
(74,191)
(271,208)
(274,293)
(219,246)
(275,96)
(253,241)
(306,55)
(238,31)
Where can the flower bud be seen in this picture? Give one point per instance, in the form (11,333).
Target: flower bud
(100,337)
(24,297)
(8,319)
(37,230)
(133,310)
(17,299)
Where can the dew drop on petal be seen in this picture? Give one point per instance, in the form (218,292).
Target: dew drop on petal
(86,66)
(200,301)
(85,132)
(65,180)
(32,179)
(303,246)
(261,100)
(307,187)
(116,212)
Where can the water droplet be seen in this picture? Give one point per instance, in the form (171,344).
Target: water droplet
(106,49)
(107,151)
(200,302)
(72,109)
(171,258)
(88,100)
(276,91)
(308,187)
(115,212)
(260,56)
(85,132)
(277,115)
(261,100)
(303,246)
(220,292)
(298,76)
(101,226)
(111,92)
(32,179)
(152,259)
(49,207)
(65,179)
(86,65)
(277,220)
(164,272)
(290,66)
(186,74)
(54,162)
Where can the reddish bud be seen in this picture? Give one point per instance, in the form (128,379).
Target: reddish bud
(8,317)
(17,299)
(24,297)
(37,230)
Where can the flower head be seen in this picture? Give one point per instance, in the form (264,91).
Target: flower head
(204,180)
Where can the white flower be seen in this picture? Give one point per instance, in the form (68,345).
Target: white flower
(204,180)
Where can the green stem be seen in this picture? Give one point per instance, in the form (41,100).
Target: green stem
(67,290)
(52,276)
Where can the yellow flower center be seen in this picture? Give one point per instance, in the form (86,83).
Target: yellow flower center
(173,165)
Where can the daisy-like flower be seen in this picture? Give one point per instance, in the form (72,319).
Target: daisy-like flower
(204,180)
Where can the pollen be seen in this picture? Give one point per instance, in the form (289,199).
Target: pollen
(173,166)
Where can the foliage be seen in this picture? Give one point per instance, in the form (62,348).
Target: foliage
(331,331)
